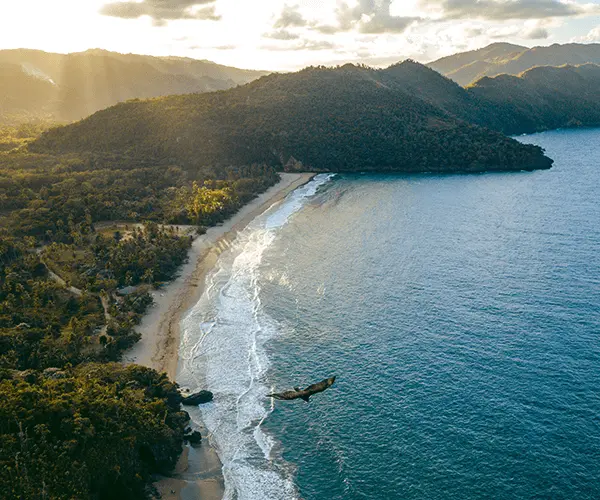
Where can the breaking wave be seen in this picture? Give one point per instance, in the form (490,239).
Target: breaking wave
(222,350)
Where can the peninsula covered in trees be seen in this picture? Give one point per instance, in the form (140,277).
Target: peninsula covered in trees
(406,118)
(345,119)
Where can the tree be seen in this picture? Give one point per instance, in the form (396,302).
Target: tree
(205,201)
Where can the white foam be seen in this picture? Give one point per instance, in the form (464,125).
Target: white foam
(223,350)
(295,201)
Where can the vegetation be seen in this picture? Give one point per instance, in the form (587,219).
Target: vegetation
(542,98)
(94,431)
(341,119)
(18,136)
(83,237)
(90,215)
(42,324)
(148,254)
(41,85)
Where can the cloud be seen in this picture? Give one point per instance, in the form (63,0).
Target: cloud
(326,29)
(290,17)
(372,17)
(503,10)
(213,47)
(537,33)
(162,11)
(312,45)
(592,36)
(282,35)
(368,17)
(386,24)
(317,45)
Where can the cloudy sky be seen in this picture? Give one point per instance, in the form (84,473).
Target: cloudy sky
(284,35)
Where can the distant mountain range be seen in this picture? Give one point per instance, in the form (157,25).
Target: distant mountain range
(505,58)
(36,84)
(406,118)
(541,98)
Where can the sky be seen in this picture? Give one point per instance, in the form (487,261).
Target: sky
(287,35)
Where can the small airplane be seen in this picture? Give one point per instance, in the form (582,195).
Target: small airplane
(304,394)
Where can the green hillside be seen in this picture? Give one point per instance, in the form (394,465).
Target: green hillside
(341,119)
(542,98)
(74,230)
(539,99)
(72,86)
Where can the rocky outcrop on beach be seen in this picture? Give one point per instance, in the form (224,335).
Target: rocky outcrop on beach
(197,398)
(193,437)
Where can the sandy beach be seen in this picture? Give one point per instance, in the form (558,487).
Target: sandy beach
(159,345)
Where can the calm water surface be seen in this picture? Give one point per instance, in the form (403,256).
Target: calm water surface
(461,315)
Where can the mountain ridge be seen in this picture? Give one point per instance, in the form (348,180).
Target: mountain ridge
(495,59)
(85,82)
(349,118)
(542,98)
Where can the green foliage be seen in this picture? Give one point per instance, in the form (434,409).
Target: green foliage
(147,254)
(96,431)
(41,323)
(341,119)
(53,198)
(74,229)
(204,202)
(17,136)
(150,254)
(542,98)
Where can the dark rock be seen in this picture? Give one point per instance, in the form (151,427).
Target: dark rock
(198,398)
(193,438)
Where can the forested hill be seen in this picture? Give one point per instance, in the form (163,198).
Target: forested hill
(326,119)
(539,99)
(65,87)
(504,58)
(542,98)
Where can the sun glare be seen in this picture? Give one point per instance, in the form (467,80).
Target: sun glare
(248,35)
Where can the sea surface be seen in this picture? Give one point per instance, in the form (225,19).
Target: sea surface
(460,313)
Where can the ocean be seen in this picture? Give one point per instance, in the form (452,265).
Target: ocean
(460,314)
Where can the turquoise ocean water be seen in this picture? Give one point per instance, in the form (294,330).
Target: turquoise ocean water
(461,315)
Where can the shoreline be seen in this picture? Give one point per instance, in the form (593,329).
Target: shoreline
(160,329)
